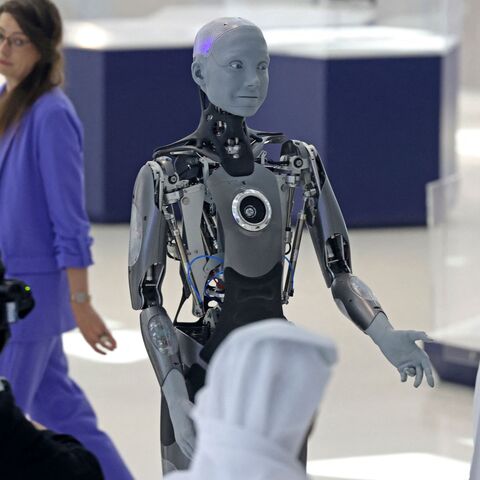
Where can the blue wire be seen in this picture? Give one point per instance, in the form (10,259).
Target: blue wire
(189,275)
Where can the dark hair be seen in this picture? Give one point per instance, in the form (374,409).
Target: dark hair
(40,21)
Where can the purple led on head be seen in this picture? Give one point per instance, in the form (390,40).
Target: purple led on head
(205,46)
(212,31)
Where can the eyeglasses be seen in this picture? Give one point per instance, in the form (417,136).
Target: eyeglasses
(13,41)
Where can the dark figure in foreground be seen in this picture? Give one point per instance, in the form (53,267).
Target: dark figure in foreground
(27,450)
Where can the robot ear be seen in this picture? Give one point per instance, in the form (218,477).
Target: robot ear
(198,73)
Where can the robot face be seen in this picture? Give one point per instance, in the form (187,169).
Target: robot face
(235,73)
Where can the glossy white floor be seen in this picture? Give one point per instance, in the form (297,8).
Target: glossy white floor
(371,427)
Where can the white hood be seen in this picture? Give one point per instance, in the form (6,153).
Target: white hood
(263,387)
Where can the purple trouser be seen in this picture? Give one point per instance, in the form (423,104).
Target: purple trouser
(38,374)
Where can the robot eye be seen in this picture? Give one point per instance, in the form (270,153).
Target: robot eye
(263,66)
(236,64)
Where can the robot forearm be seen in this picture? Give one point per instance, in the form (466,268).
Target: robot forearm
(160,341)
(162,347)
(355,300)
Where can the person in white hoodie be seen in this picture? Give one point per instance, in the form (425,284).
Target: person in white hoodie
(262,391)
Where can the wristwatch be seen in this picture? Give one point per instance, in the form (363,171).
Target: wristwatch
(80,297)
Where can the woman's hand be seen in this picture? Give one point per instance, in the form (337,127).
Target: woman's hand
(93,329)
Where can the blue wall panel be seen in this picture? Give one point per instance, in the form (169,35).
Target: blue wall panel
(376,122)
(383,137)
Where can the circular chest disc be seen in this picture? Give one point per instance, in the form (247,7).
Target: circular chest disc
(251,210)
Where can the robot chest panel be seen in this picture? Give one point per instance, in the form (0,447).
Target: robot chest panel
(249,214)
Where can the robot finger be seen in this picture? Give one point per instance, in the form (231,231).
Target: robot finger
(419,376)
(428,374)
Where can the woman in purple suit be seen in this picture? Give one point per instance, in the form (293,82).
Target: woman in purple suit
(44,230)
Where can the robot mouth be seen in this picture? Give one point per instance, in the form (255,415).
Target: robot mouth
(246,96)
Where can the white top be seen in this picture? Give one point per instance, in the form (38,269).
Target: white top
(262,390)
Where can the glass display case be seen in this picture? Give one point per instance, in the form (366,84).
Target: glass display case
(454,232)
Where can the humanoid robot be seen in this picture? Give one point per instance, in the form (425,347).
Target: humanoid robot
(237,244)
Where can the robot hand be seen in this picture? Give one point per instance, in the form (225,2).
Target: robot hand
(179,406)
(401,351)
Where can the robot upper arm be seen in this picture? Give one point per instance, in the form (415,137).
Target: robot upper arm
(154,231)
(148,234)
(323,215)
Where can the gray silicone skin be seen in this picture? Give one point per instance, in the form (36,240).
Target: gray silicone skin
(231,65)
(401,351)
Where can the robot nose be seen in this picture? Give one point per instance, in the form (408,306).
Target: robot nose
(253,81)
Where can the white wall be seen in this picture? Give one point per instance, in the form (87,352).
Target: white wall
(471,46)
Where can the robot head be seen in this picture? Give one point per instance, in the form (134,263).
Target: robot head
(230,64)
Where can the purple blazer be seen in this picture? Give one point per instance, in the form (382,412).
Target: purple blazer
(44,228)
